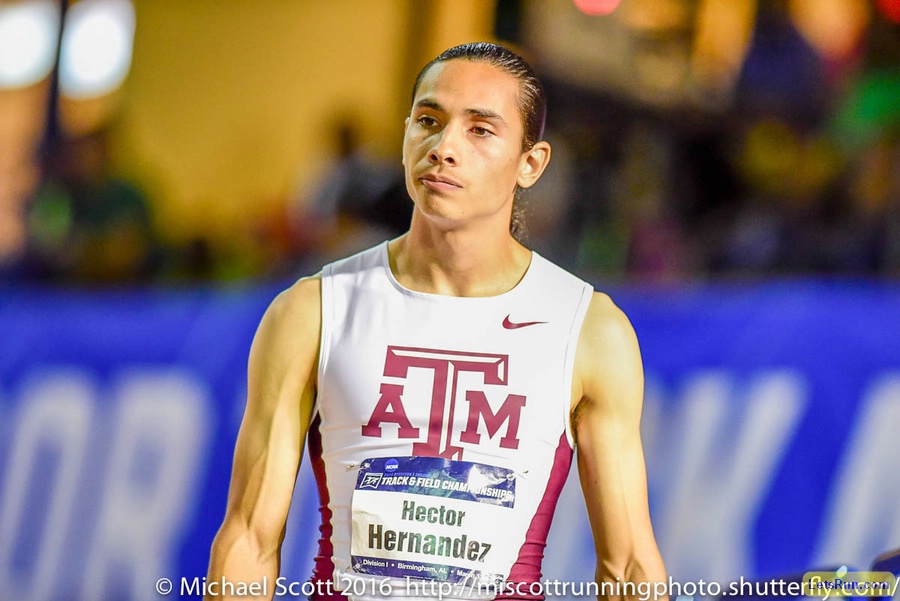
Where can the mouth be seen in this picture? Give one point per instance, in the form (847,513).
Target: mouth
(439,182)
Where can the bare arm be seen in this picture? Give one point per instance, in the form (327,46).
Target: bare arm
(280,397)
(608,394)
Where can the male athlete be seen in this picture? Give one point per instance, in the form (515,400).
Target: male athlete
(443,379)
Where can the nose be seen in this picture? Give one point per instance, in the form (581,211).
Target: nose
(445,149)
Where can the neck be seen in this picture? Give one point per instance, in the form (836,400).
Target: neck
(457,263)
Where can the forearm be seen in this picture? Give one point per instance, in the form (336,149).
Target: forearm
(639,578)
(241,567)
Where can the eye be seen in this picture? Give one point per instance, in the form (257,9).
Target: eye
(482,132)
(426,121)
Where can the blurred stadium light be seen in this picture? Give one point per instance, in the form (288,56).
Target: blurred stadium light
(597,7)
(891,9)
(96,47)
(28,40)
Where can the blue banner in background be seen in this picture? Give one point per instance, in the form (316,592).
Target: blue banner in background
(771,424)
(118,414)
(771,421)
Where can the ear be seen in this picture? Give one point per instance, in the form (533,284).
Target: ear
(533,163)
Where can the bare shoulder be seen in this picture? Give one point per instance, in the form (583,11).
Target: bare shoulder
(288,334)
(298,305)
(606,327)
(608,369)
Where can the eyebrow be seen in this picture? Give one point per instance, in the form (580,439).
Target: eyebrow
(473,112)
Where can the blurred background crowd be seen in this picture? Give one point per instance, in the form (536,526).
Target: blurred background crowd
(151,142)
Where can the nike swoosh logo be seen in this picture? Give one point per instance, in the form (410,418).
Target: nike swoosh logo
(509,325)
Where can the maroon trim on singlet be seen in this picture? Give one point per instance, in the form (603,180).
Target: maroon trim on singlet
(323,569)
(527,568)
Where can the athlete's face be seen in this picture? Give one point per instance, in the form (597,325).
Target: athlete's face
(463,144)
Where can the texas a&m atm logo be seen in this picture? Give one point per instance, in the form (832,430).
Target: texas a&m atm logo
(446,367)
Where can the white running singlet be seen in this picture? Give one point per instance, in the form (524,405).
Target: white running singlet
(441,439)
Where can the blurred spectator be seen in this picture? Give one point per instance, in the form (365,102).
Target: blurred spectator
(656,250)
(86,224)
(18,177)
(874,200)
(548,204)
(782,75)
(797,175)
(781,217)
(360,201)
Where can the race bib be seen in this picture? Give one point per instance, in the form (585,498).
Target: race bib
(432,518)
